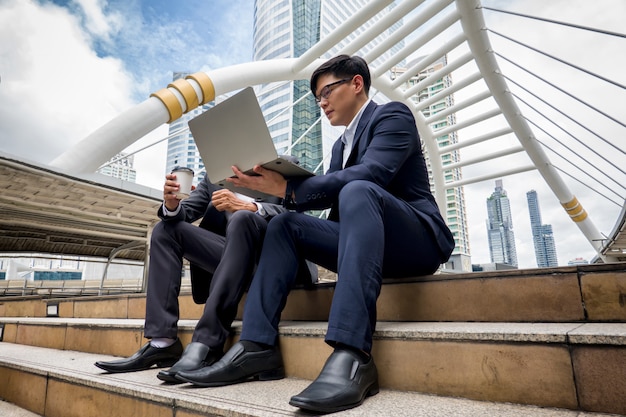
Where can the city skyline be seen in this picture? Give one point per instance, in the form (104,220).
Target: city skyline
(110,56)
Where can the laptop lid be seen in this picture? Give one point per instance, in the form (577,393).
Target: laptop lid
(234,132)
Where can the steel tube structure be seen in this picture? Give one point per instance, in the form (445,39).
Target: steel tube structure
(442,16)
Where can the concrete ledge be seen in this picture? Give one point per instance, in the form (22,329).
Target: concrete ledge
(66,384)
(588,293)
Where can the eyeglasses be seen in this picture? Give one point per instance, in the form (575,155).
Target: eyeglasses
(326,90)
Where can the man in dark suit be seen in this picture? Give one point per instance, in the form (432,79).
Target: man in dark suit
(223,252)
(384,222)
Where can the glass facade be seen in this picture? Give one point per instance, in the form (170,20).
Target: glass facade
(500,227)
(286,29)
(543,238)
(120,166)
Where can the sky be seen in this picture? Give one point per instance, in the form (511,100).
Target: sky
(68,67)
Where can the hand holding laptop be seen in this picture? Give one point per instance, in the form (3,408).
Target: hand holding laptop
(266,181)
(234,132)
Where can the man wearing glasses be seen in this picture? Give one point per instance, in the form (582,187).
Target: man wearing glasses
(383,222)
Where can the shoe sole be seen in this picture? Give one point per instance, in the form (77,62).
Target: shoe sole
(160,364)
(371,391)
(271,375)
(169,378)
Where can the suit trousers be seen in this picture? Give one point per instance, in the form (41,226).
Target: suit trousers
(230,258)
(377,235)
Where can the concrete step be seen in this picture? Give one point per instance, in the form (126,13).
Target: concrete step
(564,365)
(61,383)
(592,293)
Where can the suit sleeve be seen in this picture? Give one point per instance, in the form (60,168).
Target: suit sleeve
(194,207)
(272,209)
(388,139)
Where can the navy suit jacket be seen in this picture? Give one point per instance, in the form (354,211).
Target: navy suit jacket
(386,151)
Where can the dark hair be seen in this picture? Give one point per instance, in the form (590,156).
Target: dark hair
(343,66)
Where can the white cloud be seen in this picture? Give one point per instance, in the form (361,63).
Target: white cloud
(54,88)
(98,23)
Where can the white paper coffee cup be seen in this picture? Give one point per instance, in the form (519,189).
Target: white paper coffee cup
(184,177)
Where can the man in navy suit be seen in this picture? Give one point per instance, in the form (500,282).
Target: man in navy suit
(383,222)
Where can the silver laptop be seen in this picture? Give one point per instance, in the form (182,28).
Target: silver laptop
(234,132)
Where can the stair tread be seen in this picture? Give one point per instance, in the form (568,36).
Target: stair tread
(573,333)
(269,398)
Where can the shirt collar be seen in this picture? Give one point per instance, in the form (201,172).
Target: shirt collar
(348,136)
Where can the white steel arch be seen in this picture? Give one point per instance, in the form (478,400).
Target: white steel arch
(420,25)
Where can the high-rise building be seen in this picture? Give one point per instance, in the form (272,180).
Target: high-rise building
(543,238)
(577,261)
(500,227)
(455,213)
(120,166)
(286,29)
(181,148)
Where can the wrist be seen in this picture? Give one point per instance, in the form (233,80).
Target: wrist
(289,198)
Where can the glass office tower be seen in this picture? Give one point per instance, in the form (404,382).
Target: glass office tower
(500,227)
(543,238)
(286,29)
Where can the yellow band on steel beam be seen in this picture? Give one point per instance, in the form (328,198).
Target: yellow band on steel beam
(205,83)
(171,102)
(571,204)
(188,93)
(582,216)
(575,210)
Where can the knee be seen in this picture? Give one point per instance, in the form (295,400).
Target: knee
(243,220)
(283,221)
(159,232)
(165,231)
(354,193)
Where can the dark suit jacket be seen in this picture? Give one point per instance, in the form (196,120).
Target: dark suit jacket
(386,151)
(197,206)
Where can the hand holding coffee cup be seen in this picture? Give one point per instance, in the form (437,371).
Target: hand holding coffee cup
(184,178)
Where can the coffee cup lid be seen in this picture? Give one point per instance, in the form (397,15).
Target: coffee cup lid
(177,168)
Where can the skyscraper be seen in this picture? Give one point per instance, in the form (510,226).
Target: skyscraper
(500,227)
(543,239)
(181,148)
(120,166)
(286,29)
(455,213)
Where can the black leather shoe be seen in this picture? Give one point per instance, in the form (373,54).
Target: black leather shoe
(343,383)
(196,355)
(144,358)
(238,365)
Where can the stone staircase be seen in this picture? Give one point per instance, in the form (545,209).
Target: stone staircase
(518,342)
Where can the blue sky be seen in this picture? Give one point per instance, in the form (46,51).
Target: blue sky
(154,38)
(68,67)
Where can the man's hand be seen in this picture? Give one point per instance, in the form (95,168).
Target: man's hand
(226,200)
(267,181)
(170,189)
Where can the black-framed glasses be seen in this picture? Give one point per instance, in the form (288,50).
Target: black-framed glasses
(326,90)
